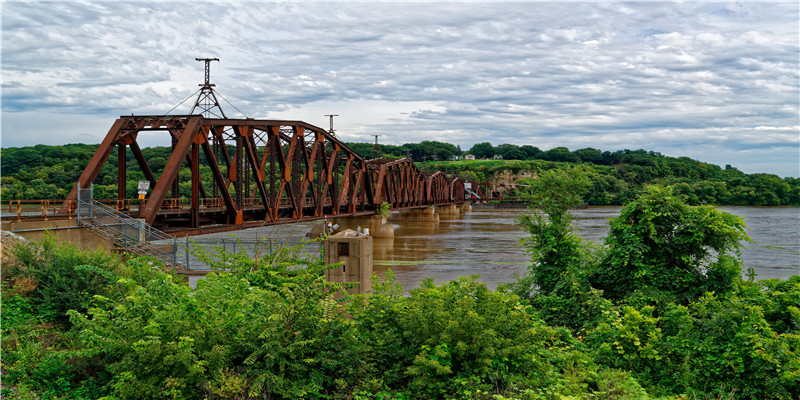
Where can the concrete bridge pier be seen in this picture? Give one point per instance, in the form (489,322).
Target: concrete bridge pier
(355,251)
(427,214)
(448,211)
(464,207)
(378,225)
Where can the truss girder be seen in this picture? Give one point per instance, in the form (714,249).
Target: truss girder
(267,170)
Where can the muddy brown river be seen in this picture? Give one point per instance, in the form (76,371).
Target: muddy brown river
(485,242)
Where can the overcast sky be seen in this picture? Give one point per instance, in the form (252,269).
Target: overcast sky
(718,82)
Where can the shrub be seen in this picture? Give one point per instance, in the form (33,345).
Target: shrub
(661,249)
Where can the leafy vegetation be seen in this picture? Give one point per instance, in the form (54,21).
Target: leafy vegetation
(268,329)
(48,172)
(660,311)
(697,182)
(665,298)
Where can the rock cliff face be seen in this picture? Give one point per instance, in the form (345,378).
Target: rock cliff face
(506,177)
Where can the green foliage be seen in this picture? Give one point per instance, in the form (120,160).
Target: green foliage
(666,301)
(270,326)
(49,172)
(384,209)
(65,277)
(556,279)
(715,346)
(482,150)
(554,248)
(460,340)
(41,283)
(660,249)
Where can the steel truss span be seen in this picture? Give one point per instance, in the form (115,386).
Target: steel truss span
(262,172)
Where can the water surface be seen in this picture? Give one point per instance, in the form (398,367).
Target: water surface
(486,241)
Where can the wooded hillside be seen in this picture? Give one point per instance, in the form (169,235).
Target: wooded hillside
(48,172)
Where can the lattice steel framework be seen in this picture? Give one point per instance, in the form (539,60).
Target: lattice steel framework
(262,170)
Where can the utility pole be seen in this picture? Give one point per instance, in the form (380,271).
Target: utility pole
(376,142)
(331,131)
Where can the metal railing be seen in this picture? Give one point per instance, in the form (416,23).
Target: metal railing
(39,208)
(128,234)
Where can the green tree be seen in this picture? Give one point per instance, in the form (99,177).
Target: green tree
(589,155)
(558,154)
(510,152)
(556,278)
(482,150)
(530,151)
(662,249)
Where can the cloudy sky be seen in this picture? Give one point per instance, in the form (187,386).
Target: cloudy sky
(718,82)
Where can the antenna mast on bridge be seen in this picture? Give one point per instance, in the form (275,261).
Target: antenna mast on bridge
(207,101)
(331,131)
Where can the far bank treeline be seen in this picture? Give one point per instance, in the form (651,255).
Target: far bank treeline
(48,172)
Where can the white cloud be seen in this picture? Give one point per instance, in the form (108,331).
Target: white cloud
(606,75)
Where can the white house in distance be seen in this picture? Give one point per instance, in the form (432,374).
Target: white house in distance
(469,157)
(497,157)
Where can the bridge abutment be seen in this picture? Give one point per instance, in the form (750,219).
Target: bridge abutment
(64,231)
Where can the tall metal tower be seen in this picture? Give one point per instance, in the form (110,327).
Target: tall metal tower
(206,103)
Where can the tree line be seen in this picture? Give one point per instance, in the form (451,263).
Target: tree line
(48,172)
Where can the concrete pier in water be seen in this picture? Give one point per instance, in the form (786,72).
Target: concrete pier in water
(355,252)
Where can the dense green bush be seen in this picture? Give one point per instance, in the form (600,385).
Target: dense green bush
(717,345)
(665,250)
(667,301)
(41,283)
(285,335)
(681,323)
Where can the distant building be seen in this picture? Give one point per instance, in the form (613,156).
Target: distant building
(469,157)
(497,157)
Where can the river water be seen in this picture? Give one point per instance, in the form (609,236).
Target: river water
(485,242)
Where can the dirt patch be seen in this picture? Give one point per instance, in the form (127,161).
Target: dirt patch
(7,241)
(8,263)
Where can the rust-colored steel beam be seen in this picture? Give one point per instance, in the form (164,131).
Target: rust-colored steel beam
(295,170)
(170,174)
(95,163)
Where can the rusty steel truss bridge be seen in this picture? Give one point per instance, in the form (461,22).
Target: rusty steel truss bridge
(263,172)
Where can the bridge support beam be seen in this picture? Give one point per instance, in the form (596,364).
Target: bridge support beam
(427,214)
(464,207)
(355,251)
